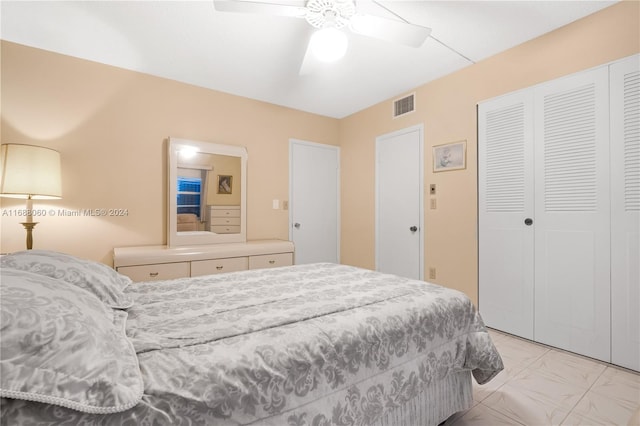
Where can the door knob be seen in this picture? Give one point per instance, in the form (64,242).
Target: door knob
(413,229)
(296,225)
(528,221)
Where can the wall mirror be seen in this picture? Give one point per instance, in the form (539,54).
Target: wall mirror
(206,193)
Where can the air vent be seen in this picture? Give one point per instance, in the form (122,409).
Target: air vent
(403,106)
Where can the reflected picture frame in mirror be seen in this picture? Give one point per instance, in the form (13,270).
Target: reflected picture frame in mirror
(197,213)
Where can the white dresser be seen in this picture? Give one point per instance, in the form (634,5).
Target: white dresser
(223,219)
(149,263)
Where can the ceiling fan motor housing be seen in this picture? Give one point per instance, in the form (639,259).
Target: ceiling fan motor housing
(329,13)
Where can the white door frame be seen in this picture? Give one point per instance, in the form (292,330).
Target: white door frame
(420,129)
(293,142)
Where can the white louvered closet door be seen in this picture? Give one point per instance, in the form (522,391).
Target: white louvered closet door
(505,167)
(625,213)
(572,212)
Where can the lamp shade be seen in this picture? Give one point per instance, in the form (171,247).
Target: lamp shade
(30,172)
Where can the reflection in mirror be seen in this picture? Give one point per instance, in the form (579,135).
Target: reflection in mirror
(207,200)
(206,193)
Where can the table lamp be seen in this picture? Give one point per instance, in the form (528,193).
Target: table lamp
(32,173)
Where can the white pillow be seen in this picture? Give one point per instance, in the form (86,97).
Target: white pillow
(60,345)
(98,278)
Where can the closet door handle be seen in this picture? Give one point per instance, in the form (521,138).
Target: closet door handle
(413,229)
(528,221)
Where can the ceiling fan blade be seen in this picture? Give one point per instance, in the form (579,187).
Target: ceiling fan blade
(290,8)
(389,30)
(309,62)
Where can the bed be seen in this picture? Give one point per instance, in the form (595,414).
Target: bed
(318,344)
(186,222)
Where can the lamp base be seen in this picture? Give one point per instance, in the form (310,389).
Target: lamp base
(29,227)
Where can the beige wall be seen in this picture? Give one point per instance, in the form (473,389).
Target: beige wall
(110,126)
(447,107)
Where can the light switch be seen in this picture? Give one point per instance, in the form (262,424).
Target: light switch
(432,189)
(433,204)
(276,204)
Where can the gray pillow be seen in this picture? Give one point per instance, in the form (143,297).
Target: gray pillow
(98,278)
(60,345)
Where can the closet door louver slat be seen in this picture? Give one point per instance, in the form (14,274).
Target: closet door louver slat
(631,137)
(505,159)
(570,149)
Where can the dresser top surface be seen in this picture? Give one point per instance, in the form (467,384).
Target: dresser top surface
(144,255)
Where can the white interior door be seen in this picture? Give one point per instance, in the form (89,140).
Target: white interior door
(314,210)
(572,214)
(625,213)
(399,203)
(505,213)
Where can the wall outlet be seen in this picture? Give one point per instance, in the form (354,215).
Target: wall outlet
(285,205)
(432,273)
(433,204)
(432,189)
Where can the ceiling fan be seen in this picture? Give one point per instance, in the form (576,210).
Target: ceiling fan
(329,18)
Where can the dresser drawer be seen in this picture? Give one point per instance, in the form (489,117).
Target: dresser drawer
(230,212)
(160,271)
(270,260)
(225,229)
(225,221)
(218,266)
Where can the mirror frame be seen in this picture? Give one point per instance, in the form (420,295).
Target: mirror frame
(178,239)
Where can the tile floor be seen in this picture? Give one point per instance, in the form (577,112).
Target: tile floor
(546,386)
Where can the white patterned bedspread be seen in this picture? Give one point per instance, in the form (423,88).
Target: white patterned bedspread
(317,344)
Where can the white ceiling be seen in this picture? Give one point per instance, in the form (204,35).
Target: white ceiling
(259,56)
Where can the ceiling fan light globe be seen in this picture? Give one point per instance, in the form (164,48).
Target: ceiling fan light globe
(329,44)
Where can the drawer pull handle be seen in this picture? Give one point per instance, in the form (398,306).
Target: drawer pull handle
(219,268)
(153,274)
(272,262)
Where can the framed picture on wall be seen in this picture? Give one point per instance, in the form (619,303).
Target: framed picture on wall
(450,156)
(225,183)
